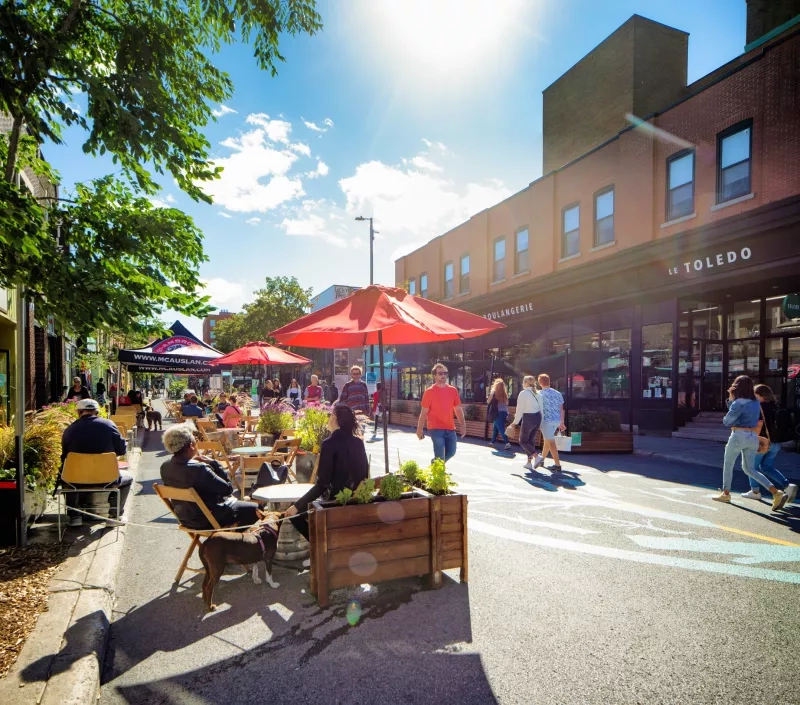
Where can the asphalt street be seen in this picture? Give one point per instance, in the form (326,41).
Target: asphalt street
(620,582)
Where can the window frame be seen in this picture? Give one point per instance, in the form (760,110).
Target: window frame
(569,207)
(527,250)
(423,292)
(668,201)
(496,279)
(611,188)
(445,295)
(721,136)
(461,288)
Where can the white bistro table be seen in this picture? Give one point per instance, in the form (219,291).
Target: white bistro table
(292,545)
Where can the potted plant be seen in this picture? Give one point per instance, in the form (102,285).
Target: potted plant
(276,416)
(311,424)
(413,526)
(475,417)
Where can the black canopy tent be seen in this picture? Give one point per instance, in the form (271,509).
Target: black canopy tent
(180,353)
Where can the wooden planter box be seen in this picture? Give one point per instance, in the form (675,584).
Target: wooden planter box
(403,419)
(421,535)
(605,442)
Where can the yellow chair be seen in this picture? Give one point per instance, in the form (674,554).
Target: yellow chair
(215,451)
(249,467)
(94,472)
(171,494)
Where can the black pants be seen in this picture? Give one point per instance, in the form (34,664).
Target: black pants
(527,434)
(301,524)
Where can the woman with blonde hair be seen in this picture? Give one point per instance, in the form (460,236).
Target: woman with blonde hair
(529,413)
(497,412)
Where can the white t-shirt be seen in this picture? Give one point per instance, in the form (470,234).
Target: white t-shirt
(528,402)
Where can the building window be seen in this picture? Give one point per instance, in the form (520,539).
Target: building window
(604,217)
(657,361)
(212,322)
(499,259)
(680,185)
(448,280)
(615,370)
(571,233)
(412,287)
(521,252)
(464,283)
(423,286)
(733,179)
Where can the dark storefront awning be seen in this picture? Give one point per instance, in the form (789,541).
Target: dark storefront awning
(554,365)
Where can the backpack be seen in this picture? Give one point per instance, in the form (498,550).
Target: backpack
(784,426)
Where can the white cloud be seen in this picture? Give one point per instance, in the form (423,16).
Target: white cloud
(223,214)
(301,148)
(327,122)
(422,162)
(438,146)
(169,198)
(321,170)
(253,221)
(242,187)
(222,110)
(327,125)
(312,226)
(223,293)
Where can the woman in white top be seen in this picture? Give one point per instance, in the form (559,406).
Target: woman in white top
(529,412)
(293,393)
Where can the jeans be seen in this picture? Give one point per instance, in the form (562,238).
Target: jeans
(499,426)
(746,443)
(765,464)
(444,443)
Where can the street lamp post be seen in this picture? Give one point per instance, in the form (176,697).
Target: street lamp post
(371,270)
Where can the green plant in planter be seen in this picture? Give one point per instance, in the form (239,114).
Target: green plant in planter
(343,496)
(276,416)
(595,420)
(472,412)
(391,486)
(312,426)
(436,479)
(400,406)
(410,470)
(364,492)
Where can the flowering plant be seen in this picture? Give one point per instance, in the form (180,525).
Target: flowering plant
(276,416)
(312,425)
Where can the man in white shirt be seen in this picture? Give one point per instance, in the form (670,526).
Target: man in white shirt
(552,420)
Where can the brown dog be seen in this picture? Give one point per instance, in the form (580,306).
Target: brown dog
(255,546)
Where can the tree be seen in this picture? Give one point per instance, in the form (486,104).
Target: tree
(281,301)
(106,255)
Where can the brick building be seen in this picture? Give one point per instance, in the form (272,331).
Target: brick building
(210,322)
(661,240)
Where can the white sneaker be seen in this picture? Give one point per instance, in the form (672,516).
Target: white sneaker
(528,466)
(508,446)
(752,494)
(539,462)
(791,493)
(307,563)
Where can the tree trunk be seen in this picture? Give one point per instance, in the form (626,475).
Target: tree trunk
(13,146)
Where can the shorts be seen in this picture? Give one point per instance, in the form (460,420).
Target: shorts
(549,429)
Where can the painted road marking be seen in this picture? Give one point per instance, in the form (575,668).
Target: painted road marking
(781,542)
(747,552)
(566,528)
(779,576)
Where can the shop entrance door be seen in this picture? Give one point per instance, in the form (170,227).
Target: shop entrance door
(793,374)
(712,397)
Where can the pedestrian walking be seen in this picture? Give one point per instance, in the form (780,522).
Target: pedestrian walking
(293,394)
(439,403)
(378,406)
(774,432)
(529,414)
(497,412)
(77,391)
(355,393)
(313,391)
(744,413)
(332,392)
(552,420)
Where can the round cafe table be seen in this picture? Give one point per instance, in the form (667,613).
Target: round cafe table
(253,450)
(292,545)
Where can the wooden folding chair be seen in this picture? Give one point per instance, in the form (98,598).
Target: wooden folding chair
(286,452)
(287,434)
(214,450)
(122,427)
(249,467)
(173,494)
(249,436)
(205,427)
(88,472)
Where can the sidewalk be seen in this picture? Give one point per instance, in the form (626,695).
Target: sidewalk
(62,658)
(706,453)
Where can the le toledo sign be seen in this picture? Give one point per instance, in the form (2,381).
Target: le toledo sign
(704,263)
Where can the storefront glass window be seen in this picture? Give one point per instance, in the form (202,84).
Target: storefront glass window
(553,348)
(743,360)
(657,344)
(745,319)
(586,381)
(616,370)
(706,321)
(777,322)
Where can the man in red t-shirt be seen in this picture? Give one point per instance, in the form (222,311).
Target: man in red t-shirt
(439,403)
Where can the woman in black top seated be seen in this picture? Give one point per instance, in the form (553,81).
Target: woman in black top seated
(187,469)
(342,463)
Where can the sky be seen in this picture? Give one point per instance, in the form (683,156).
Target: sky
(418,113)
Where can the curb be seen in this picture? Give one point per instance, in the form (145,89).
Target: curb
(691,460)
(62,660)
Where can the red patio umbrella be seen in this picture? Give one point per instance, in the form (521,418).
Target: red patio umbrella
(259,353)
(382,315)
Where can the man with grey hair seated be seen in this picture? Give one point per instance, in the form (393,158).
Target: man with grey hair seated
(188,469)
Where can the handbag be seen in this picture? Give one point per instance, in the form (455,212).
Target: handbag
(270,473)
(492,411)
(563,443)
(763,443)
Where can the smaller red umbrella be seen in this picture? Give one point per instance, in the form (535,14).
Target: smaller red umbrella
(259,353)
